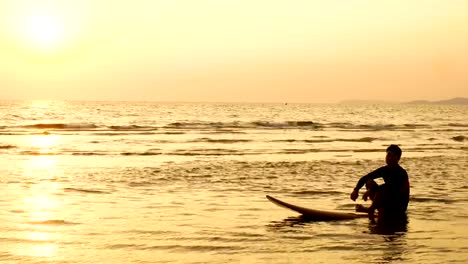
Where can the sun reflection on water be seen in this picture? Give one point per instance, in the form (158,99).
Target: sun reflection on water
(43,246)
(40,203)
(38,250)
(39,236)
(41,163)
(41,206)
(44,144)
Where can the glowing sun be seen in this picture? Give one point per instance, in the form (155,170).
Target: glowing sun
(50,27)
(43,31)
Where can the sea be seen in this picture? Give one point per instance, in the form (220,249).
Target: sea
(152,182)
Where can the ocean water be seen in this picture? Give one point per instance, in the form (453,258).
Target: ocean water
(117,182)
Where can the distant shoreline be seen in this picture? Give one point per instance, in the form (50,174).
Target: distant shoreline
(452,101)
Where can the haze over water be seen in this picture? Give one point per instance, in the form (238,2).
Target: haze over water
(121,182)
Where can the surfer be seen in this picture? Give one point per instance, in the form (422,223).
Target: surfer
(391,198)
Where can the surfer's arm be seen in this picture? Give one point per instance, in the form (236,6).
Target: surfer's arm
(371,176)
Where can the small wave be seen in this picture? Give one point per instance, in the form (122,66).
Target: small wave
(120,133)
(428,199)
(38,153)
(80,126)
(196,248)
(17,211)
(174,247)
(208,152)
(223,131)
(367,150)
(46,126)
(125,246)
(378,127)
(88,126)
(375,127)
(84,153)
(52,222)
(313,192)
(304,151)
(22,241)
(416,126)
(61,126)
(305,140)
(459,138)
(148,153)
(457,125)
(364,140)
(225,141)
(200,125)
(295,151)
(173,133)
(287,124)
(150,232)
(131,127)
(243,125)
(7,146)
(351,126)
(85,190)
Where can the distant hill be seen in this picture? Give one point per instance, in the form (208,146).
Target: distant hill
(364,102)
(453,101)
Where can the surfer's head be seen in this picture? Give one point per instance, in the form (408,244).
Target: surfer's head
(393,155)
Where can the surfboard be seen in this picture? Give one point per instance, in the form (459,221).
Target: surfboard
(317,215)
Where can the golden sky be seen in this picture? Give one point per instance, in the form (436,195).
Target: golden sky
(233,50)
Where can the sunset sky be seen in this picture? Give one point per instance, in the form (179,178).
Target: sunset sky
(233,50)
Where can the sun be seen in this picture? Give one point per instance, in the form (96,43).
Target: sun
(44,31)
(43,27)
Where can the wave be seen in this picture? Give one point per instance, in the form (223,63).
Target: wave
(209,151)
(85,190)
(231,127)
(457,125)
(225,141)
(7,146)
(147,153)
(132,127)
(38,153)
(281,125)
(128,133)
(363,139)
(82,127)
(288,124)
(428,200)
(196,248)
(84,153)
(459,138)
(52,222)
(315,192)
(61,126)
